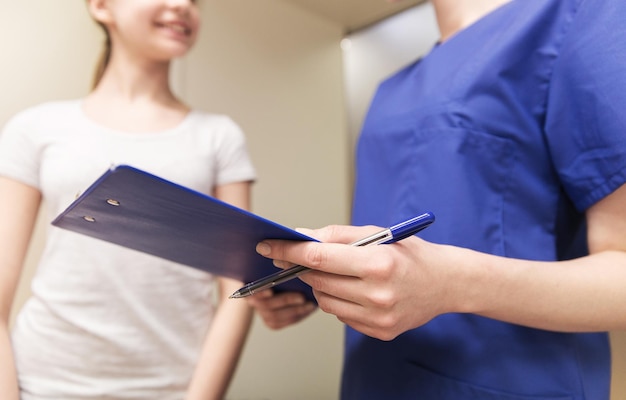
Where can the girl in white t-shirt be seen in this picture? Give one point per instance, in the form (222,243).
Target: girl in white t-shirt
(105,321)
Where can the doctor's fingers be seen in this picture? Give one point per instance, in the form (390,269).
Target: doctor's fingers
(333,258)
(384,323)
(380,324)
(340,233)
(337,293)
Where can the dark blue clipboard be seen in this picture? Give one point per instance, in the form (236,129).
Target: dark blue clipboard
(140,211)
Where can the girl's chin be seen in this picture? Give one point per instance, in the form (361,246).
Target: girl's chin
(173,51)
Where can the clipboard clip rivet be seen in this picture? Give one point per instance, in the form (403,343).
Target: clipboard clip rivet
(89,218)
(113,202)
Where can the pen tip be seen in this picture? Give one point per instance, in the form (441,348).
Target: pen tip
(235,295)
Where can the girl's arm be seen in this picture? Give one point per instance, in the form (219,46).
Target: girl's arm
(19,204)
(230,326)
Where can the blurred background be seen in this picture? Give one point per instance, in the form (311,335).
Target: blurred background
(297,75)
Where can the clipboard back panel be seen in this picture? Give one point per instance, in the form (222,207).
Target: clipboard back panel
(132,208)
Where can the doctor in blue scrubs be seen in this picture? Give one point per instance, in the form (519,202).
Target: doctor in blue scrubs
(512,130)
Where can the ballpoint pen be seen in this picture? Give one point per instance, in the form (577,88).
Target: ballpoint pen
(390,235)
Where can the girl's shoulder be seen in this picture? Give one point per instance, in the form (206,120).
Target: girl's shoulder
(205,117)
(47,111)
(213,122)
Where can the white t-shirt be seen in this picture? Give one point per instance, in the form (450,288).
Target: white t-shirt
(105,322)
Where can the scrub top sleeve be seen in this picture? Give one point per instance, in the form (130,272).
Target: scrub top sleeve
(586,108)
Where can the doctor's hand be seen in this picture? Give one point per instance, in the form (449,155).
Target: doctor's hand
(381,291)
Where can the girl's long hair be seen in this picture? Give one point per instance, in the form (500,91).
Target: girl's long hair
(103,61)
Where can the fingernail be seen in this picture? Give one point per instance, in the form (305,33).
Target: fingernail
(263,248)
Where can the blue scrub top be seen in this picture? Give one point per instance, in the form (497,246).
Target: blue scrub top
(508,132)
